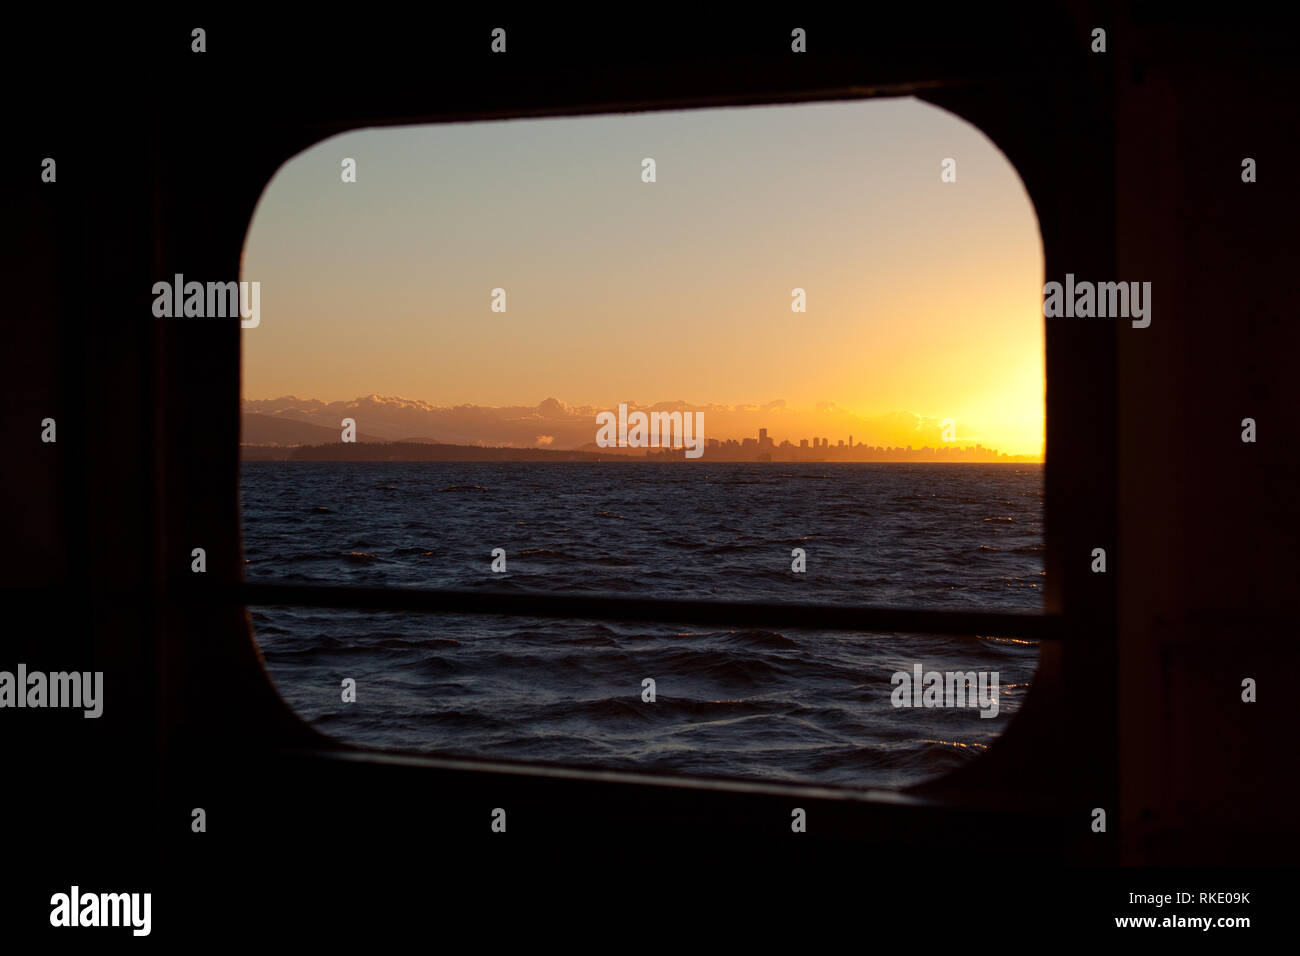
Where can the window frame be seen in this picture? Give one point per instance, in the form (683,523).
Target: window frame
(204,631)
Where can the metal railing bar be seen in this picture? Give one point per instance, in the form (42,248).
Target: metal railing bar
(824,617)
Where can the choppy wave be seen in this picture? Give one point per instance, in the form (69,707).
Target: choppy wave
(778,704)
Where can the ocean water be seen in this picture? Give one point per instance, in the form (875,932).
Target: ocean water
(788,705)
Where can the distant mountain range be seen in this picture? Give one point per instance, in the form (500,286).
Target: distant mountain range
(258,429)
(387,418)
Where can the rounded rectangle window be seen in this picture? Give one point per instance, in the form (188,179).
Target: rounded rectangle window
(781,354)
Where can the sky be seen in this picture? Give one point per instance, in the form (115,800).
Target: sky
(924,298)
